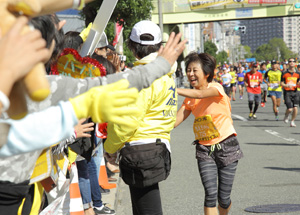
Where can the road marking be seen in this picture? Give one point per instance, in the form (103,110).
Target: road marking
(275,133)
(239,117)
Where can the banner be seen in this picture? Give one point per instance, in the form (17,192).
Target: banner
(119,31)
(196,4)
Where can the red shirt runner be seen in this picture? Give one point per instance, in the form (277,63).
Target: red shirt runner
(253,82)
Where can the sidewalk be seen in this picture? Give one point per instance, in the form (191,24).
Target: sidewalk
(111,199)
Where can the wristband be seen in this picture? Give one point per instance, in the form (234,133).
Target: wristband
(5,102)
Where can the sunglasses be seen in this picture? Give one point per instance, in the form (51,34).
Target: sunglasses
(290,61)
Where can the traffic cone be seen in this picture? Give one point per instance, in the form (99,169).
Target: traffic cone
(76,206)
(103,180)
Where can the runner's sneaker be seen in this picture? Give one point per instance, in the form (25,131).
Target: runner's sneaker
(254,116)
(277,118)
(262,104)
(241,97)
(293,124)
(250,115)
(104,210)
(286,119)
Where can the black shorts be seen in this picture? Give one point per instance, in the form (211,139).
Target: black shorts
(227,90)
(232,85)
(291,99)
(230,152)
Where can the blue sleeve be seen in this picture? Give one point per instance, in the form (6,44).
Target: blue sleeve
(39,130)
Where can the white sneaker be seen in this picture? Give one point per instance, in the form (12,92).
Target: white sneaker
(293,124)
(286,119)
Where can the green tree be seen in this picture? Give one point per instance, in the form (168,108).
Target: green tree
(248,53)
(221,57)
(210,48)
(275,48)
(127,12)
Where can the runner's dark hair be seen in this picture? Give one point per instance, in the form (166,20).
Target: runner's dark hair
(206,61)
(140,50)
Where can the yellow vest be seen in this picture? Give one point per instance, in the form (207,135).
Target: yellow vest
(159,108)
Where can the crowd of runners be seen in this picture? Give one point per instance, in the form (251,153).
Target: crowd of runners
(260,80)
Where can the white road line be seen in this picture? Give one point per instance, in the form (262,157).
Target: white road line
(239,117)
(275,133)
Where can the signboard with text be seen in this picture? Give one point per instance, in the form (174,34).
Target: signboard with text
(201,4)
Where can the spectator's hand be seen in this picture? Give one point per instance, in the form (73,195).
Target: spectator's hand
(116,61)
(173,48)
(20,52)
(107,103)
(81,128)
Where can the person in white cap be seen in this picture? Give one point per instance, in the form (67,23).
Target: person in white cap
(101,48)
(145,160)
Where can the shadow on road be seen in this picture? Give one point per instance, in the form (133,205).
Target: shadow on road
(263,126)
(284,169)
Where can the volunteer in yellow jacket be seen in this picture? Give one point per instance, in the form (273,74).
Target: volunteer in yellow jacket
(158,105)
(217,148)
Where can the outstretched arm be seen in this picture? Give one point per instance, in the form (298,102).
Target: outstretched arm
(63,87)
(182,114)
(198,94)
(39,130)
(52,6)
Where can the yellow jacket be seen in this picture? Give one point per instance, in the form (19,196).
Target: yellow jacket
(159,108)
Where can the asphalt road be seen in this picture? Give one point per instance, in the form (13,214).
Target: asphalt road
(269,173)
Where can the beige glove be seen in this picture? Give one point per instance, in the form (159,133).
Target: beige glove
(107,103)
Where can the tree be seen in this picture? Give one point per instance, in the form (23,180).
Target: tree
(221,57)
(275,49)
(248,53)
(210,48)
(127,12)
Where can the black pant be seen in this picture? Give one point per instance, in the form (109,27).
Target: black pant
(146,201)
(12,195)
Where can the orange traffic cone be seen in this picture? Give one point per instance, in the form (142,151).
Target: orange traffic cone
(76,206)
(103,180)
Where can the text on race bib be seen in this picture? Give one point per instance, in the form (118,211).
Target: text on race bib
(205,129)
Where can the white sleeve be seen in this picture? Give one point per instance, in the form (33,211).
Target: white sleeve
(39,130)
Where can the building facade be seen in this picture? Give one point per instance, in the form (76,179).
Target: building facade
(291,30)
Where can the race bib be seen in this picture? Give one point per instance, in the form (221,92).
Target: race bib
(274,85)
(291,81)
(205,129)
(253,83)
(240,79)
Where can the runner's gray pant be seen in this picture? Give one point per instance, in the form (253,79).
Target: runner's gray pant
(217,182)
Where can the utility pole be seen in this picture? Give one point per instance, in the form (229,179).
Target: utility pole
(160,15)
(201,38)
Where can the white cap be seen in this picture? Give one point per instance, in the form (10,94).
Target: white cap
(103,41)
(146,27)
